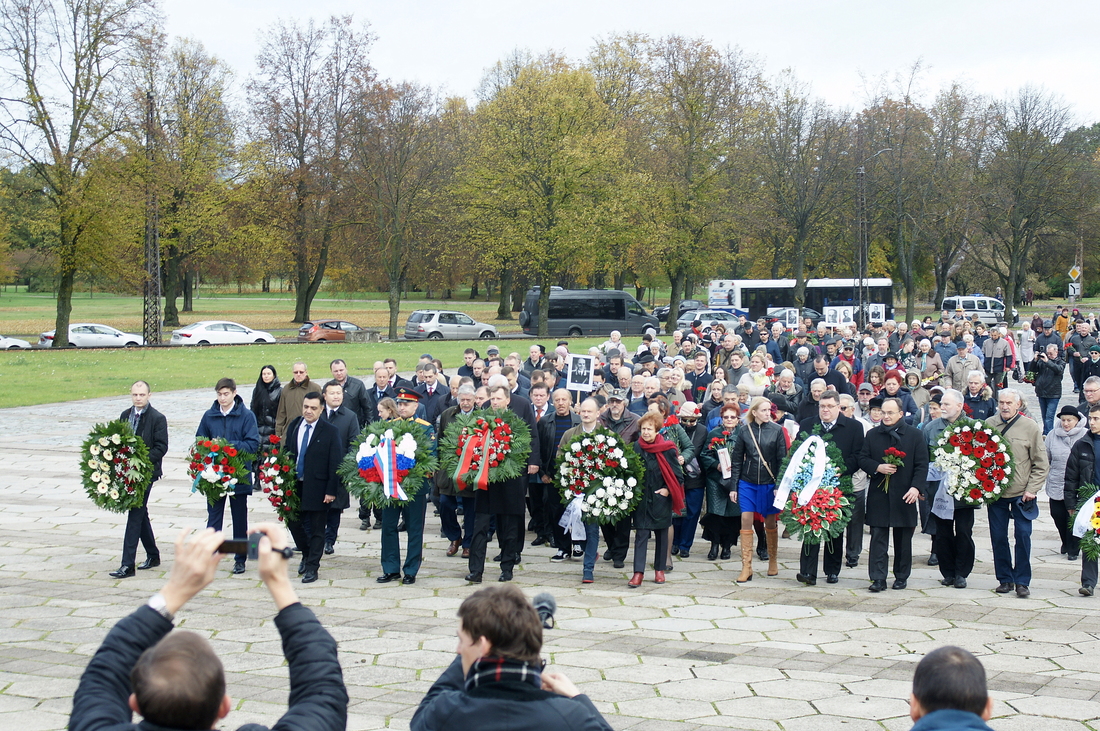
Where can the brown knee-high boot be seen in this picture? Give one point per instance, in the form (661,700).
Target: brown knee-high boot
(772,535)
(746,556)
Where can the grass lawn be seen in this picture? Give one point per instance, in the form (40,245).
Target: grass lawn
(46,376)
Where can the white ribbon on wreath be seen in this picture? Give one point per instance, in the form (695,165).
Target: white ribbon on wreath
(1082,524)
(820,462)
(572,520)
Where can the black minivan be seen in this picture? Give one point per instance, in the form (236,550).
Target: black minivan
(577,312)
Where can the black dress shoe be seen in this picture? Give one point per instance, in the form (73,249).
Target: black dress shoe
(948,581)
(762,553)
(1069,556)
(329,550)
(364,524)
(725,554)
(473,578)
(1022,591)
(675,551)
(807,580)
(150,563)
(408,579)
(310,577)
(302,567)
(497,558)
(960,582)
(1005,588)
(505,576)
(933,559)
(387,578)
(539,540)
(712,554)
(684,553)
(123,572)
(877,586)
(238,567)
(832,579)
(618,563)
(852,564)
(900,584)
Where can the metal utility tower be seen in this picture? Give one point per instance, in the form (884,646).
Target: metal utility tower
(152,321)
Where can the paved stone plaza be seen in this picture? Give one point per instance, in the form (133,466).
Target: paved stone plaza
(698,652)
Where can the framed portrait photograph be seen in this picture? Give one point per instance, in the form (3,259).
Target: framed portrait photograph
(837,316)
(578,372)
(876,313)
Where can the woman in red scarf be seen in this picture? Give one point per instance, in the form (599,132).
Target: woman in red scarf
(662,495)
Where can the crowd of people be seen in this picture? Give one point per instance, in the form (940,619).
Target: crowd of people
(681,403)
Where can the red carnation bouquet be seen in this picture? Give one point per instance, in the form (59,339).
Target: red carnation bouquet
(893,456)
(278,479)
(216,466)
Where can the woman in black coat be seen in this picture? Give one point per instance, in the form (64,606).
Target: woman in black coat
(683,535)
(662,495)
(265,401)
(723,516)
(758,450)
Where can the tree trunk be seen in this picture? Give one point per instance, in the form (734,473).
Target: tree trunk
(620,281)
(676,279)
(544,305)
(504,307)
(171,286)
(519,294)
(394,300)
(265,283)
(188,291)
(64,308)
(473,289)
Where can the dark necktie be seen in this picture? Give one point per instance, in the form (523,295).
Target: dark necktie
(135,417)
(302,452)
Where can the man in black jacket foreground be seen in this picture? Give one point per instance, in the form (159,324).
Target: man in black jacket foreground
(497,682)
(176,679)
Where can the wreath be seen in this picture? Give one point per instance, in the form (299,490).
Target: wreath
(488,445)
(977,462)
(115,467)
(278,478)
(598,474)
(1087,522)
(815,494)
(215,467)
(388,462)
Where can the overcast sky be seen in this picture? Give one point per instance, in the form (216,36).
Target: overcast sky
(994,46)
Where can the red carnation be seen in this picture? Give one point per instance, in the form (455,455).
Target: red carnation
(274,439)
(975,494)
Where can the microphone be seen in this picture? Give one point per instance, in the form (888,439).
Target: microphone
(545,605)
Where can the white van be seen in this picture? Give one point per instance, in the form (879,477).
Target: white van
(989,310)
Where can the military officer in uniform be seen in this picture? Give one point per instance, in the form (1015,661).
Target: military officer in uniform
(407,402)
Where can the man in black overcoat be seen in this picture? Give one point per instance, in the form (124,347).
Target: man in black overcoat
(893,508)
(505,499)
(152,427)
(337,413)
(317,450)
(847,435)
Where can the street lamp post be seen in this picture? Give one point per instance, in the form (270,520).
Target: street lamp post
(151,320)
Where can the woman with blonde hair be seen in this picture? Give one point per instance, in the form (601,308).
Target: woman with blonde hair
(756,380)
(758,449)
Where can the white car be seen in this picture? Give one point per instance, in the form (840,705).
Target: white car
(93,335)
(7,343)
(706,316)
(218,332)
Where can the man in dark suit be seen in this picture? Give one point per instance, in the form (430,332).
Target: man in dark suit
(317,451)
(355,393)
(893,505)
(152,427)
(412,511)
(504,499)
(380,390)
(847,435)
(433,394)
(336,412)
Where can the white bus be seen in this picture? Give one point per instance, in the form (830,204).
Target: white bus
(756,298)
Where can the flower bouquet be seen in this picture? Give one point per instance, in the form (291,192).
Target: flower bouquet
(815,496)
(1086,524)
(278,479)
(115,467)
(215,467)
(600,475)
(893,456)
(489,445)
(976,460)
(388,462)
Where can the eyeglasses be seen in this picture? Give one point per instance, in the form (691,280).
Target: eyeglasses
(689,419)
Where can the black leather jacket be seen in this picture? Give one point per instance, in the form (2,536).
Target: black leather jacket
(1080,469)
(747,464)
(265,402)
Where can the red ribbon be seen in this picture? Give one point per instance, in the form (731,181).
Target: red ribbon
(473,441)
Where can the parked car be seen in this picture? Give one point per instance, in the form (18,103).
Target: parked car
(218,332)
(7,343)
(661,312)
(781,314)
(93,335)
(577,312)
(325,331)
(446,324)
(707,317)
(989,310)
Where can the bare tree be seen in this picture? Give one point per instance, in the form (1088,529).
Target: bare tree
(64,59)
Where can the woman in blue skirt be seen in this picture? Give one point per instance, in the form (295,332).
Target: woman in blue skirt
(758,450)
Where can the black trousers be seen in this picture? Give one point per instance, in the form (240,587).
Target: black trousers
(617,538)
(854,540)
(311,545)
(238,508)
(834,555)
(1059,511)
(879,552)
(138,528)
(561,536)
(641,544)
(540,499)
(510,535)
(954,543)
